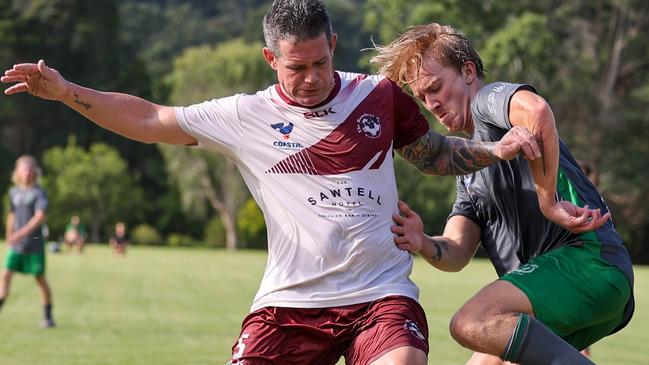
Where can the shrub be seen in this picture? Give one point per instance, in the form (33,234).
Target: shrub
(145,234)
(215,233)
(251,226)
(181,240)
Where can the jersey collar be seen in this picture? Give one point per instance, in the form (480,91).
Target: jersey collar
(329,98)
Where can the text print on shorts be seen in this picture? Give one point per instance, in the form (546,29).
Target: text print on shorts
(526,269)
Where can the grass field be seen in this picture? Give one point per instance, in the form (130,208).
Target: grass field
(160,306)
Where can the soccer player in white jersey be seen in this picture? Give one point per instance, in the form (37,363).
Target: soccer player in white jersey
(316,152)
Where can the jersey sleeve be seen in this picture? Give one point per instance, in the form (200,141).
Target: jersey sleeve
(410,124)
(215,124)
(41,201)
(463,205)
(9,201)
(491,103)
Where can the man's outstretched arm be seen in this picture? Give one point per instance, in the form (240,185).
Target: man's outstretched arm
(435,154)
(124,114)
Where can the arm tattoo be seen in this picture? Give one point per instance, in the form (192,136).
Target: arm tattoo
(435,154)
(82,103)
(441,246)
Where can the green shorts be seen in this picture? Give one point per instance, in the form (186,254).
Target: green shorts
(27,263)
(579,296)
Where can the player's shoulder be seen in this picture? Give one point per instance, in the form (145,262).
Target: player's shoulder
(347,78)
(494,89)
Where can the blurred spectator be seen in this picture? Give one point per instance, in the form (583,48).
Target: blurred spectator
(119,240)
(75,234)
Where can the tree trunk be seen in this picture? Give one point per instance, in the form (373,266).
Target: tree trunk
(227,218)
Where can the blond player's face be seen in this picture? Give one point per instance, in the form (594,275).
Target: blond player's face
(305,68)
(446,93)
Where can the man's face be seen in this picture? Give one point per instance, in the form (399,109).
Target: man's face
(304,69)
(446,93)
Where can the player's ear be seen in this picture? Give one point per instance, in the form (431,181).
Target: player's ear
(270,57)
(332,46)
(469,72)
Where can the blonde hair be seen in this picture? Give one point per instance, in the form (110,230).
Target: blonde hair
(34,165)
(401,60)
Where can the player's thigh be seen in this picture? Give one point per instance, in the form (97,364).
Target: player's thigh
(393,330)
(494,299)
(406,355)
(572,288)
(14,262)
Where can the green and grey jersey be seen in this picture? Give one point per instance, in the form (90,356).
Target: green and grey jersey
(502,200)
(24,203)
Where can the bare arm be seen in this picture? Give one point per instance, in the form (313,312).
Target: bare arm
(435,154)
(124,114)
(9,228)
(450,252)
(532,112)
(34,223)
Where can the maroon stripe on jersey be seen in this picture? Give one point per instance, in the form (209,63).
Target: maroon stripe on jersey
(365,135)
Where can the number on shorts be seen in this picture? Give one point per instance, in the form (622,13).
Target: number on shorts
(241,346)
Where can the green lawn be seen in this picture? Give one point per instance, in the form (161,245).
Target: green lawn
(162,306)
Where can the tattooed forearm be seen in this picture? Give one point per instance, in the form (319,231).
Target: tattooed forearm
(435,154)
(423,152)
(440,248)
(82,103)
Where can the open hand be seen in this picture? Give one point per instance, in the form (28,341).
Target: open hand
(575,219)
(37,79)
(409,229)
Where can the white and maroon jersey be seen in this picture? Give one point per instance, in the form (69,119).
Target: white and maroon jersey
(324,178)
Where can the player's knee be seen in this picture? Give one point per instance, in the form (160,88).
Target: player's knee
(464,327)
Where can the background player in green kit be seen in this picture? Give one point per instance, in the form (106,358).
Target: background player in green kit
(26,253)
(565,276)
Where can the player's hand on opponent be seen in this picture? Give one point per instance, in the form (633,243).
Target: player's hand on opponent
(36,79)
(409,230)
(517,140)
(575,219)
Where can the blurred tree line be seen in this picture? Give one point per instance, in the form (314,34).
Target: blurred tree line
(587,58)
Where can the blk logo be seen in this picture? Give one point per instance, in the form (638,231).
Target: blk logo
(319,113)
(283,128)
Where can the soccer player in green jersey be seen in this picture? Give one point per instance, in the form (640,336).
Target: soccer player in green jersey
(565,276)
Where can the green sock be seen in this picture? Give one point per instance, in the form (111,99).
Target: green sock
(532,343)
(515,344)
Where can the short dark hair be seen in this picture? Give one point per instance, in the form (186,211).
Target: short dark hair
(297,19)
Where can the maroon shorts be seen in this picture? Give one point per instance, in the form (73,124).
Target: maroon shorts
(361,332)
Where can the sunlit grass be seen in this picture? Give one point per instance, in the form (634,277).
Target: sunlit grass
(162,306)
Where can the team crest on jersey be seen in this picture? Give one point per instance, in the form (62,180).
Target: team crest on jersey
(369,125)
(283,128)
(526,269)
(414,329)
